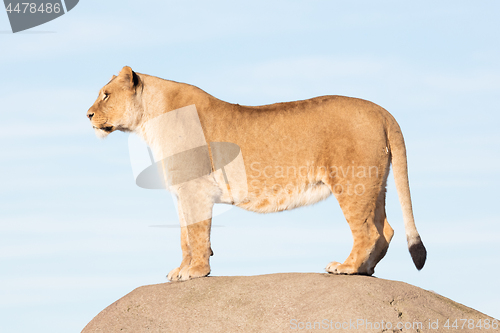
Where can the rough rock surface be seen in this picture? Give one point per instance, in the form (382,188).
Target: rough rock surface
(306,302)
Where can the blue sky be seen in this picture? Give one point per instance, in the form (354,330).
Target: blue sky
(76,233)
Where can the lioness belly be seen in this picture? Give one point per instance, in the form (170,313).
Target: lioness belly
(279,199)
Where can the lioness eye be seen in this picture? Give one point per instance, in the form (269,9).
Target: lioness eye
(105,97)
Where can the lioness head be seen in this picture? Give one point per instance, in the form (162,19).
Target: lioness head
(118,105)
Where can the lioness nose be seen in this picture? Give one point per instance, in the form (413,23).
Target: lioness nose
(90,115)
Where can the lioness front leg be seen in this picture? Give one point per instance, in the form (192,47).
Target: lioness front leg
(199,246)
(195,216)
(174,274)
(184,268)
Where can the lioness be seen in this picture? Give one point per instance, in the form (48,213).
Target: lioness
(292,154)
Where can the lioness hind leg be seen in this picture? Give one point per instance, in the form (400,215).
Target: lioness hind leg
(365,238)
(370,233)
(383,229)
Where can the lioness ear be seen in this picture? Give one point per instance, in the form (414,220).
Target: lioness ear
(129,77)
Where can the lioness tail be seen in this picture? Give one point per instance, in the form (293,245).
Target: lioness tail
(400,168)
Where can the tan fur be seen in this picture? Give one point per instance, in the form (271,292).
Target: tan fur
(295,154)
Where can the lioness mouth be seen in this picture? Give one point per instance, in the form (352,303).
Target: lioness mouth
(107,128)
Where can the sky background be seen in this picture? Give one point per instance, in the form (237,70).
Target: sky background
(76,233)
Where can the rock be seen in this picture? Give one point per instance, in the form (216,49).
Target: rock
(283,303)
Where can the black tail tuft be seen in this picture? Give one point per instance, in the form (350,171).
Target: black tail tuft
(418,254)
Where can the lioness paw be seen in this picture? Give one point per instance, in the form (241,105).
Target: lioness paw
(332,267)
(174,274)
(194,272)
(338,268)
